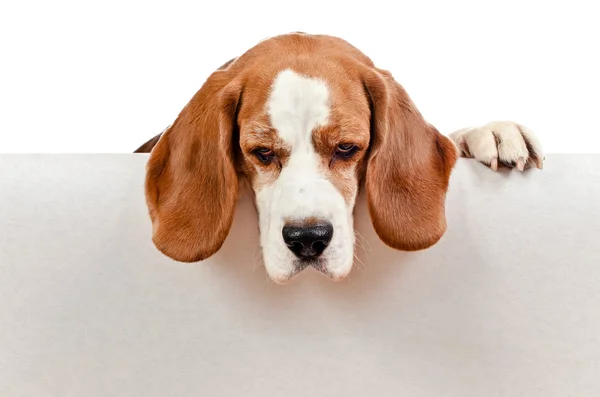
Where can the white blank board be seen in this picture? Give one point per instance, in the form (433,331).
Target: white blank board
(506,304)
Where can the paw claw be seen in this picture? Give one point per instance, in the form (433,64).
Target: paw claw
(494,164)
(540,163)
(520,164)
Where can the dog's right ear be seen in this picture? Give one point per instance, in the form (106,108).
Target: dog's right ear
(191,181)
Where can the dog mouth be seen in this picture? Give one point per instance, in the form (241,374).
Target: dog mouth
(299,265)
(316,263)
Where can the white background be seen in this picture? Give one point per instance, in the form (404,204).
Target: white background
(106,76)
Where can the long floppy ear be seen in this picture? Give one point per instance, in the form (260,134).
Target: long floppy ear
(191,181)
(408,169)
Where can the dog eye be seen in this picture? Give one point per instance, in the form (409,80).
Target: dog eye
(345,150)
(264,154)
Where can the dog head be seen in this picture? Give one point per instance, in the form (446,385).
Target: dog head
(307,120)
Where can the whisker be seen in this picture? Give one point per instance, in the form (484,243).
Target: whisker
(362,244)
(362,241)
(268,280)
(359,245)
(359,262)
(258,259)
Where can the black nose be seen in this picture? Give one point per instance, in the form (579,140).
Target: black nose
(308,242)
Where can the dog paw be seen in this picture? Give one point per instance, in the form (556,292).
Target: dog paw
(500,142)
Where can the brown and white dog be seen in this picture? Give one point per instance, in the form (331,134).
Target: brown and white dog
(307,120)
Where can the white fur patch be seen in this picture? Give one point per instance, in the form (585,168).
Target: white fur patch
(296,106)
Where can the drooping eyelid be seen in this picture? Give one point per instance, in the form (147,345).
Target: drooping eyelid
(361,141)
(262,149)
(251,143)
(347,155)
(330,137)
(278,155)
(276,148)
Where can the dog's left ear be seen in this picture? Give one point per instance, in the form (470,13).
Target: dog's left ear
(408,169)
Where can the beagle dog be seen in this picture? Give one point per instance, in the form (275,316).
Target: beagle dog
(308,121)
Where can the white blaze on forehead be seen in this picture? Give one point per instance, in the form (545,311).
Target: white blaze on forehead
(297,104)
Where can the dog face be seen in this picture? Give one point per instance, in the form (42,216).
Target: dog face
(303,155)
(306,120)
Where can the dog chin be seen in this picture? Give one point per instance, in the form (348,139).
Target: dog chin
(282,274)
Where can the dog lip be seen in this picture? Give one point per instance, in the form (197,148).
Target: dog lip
(299,266)
(320,266)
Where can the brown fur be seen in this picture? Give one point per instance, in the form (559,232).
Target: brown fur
(408,170)
(191,183)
